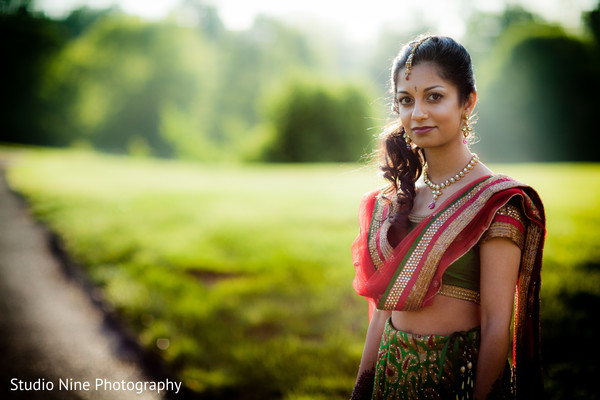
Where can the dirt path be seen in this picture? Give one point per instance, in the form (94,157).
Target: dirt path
(49,328)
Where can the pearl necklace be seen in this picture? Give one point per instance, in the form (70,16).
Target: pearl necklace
(436,190)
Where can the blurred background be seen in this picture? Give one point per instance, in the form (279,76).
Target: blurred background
(203,161)
(285,81)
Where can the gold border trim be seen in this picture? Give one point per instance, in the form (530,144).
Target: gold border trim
(504,230)
(421,286)
(525,299)
(461,293)
(376,222)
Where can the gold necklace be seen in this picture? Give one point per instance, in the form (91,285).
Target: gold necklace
(436,190)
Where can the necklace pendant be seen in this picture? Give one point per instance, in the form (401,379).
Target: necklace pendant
(436,190)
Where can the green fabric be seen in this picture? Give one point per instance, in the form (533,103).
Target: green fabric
(413,366)
(464,272)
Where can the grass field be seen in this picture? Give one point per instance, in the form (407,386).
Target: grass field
(240,276)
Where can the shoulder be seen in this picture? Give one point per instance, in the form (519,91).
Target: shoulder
(505,178)
(530,202)
(501,183)
(366,208)
(500,178)
(509,222)
(369,199)
(371,195)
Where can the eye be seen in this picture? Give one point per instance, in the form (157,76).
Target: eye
(435,97)
(405,101)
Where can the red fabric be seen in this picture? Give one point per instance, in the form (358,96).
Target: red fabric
(372,283)
(360,249)
(510,220)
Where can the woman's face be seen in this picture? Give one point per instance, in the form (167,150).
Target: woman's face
(429,107)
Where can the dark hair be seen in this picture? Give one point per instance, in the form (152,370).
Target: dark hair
(402,166)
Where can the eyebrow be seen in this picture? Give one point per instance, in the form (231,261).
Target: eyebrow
(426,89)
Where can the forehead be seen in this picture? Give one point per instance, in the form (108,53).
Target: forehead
(422,76)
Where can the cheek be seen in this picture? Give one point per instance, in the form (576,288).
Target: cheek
(449,115)
(405,117)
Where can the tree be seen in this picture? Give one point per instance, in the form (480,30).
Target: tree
(541,104)
(317,123)
(29,42)
(123,80)
(80,19)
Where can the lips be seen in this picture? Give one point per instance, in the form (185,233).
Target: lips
(420,130)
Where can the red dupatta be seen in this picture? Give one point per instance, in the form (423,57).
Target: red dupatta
(411,276)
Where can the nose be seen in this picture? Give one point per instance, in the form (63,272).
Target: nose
(419,111)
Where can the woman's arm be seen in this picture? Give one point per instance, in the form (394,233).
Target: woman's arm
(500,259)
(366,372)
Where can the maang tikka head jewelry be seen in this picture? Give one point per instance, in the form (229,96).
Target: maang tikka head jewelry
(466,128)
(409,60)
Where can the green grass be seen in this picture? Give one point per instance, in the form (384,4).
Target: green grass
(246,269)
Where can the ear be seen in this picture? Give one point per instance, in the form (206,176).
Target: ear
(470,103)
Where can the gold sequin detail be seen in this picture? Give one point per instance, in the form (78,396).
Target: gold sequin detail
(505,229)
(416,296)
(376,222)
(419,290)
(525,299)
(458,292)
(416,218)
(379,228)
(511,211)
(384,245)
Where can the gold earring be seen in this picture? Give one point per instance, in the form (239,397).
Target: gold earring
(466,128)
(406,139)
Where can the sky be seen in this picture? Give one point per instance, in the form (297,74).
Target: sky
(358,20)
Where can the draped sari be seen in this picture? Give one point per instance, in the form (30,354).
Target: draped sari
(411,276)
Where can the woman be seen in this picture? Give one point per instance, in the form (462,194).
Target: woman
(443,247)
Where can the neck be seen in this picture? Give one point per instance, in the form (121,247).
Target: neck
(443,164)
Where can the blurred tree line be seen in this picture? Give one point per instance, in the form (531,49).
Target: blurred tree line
(187,87)
(538,86)
(184,87)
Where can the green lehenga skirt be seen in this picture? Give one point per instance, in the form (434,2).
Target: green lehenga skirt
(413,366)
